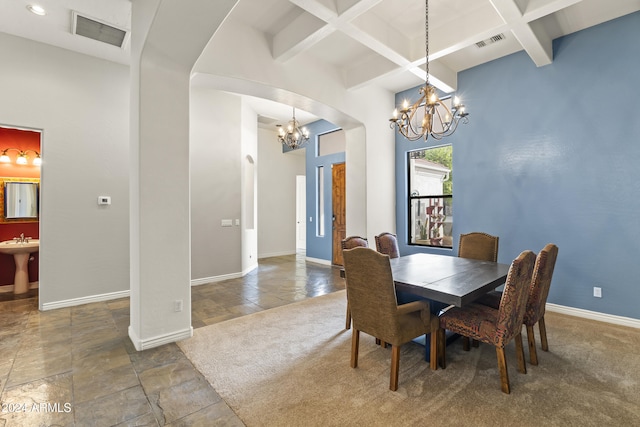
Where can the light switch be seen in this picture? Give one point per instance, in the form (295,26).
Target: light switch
(237,221)
(227,223)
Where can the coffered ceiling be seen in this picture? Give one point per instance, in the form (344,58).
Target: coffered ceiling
(370,42)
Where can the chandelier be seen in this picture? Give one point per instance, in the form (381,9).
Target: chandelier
(293,137)
(430,115)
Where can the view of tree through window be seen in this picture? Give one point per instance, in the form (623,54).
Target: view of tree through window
(431,197)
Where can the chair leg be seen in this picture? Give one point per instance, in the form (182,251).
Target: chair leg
(395,367)
(543,334)
(475,343)
(348,325)
(522,366)
(355,345)
(465,343)
(502,367)
(433,350)
(531,338)
(442,344)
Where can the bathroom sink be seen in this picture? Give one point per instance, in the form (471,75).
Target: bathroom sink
(11,247)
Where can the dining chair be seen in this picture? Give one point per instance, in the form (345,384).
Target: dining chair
(480,246)
(537,300)
(387,243)
(477,245)
(495,326)
(375,311)
(350,243)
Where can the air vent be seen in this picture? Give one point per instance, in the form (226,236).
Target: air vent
(100,31)
(494,39)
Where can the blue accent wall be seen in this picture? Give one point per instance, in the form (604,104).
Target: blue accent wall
(552,154)
(319,247)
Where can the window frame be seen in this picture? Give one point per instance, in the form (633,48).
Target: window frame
(446,200)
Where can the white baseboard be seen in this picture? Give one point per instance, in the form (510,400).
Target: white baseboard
(159,340)
(212,279)
(220,278)
(594,315)
(272,254)
(84,300)
(318,260)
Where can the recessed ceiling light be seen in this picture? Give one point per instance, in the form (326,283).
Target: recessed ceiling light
(38,10)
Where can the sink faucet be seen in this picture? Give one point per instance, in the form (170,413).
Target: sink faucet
(21,239)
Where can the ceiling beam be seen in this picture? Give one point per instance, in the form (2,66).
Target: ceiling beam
(302,33)
(524,26)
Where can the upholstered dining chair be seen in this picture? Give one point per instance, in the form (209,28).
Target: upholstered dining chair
(387,243)
(350,243)
(476,245)
(537,300)
(496,327)
(480,246)
(374,309)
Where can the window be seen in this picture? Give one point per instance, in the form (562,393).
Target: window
(320,201)
(331,143)
(431,197)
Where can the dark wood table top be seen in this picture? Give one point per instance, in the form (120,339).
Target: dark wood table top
(447,279)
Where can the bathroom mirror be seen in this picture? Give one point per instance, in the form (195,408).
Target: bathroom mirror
(20,200)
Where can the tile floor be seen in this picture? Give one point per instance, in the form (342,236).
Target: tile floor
(80,362)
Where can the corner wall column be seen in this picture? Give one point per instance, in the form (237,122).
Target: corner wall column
(167,39)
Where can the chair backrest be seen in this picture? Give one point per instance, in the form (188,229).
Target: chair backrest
(514,298)
(354,242)
(387,243)
(480,246)
(371,291)
(540,284)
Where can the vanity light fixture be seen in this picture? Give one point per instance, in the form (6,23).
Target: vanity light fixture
(22,158)
(38,10)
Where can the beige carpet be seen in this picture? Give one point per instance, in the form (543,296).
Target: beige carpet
(289,366)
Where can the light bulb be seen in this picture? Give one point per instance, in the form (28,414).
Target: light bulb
(21,159)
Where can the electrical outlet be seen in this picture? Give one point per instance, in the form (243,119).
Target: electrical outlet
(597,292)
(177,305)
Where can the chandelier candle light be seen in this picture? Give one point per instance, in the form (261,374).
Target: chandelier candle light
(438,118)
(293,137)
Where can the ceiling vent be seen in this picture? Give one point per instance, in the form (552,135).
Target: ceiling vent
(494,39)
(100,31)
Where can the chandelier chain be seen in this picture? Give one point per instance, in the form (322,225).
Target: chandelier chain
(426,38)
(429,116)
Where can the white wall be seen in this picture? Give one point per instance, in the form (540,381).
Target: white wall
(314,86)
(82,105)
(215,146)
(277,195)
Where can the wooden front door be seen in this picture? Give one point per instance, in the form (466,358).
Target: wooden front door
(339,219)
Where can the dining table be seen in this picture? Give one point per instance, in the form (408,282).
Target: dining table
(446,279)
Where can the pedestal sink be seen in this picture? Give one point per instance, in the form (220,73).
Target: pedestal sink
(20,252)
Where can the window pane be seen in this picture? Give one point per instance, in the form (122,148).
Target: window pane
(320,201)
(331,143)
(431,197)
(432,221)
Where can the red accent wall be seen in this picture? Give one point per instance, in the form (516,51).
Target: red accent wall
(22,140)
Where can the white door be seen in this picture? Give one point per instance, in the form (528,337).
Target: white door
(301,212)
